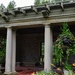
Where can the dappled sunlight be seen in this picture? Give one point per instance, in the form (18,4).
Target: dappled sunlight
(26,73)
(33,73)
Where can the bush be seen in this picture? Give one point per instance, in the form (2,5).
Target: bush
(46,73)
(64,46)
(2,49)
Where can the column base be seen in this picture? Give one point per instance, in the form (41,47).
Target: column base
(7,73)
(14,73)
(10,73)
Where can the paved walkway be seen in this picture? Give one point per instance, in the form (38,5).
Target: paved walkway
(27,70)
(25,73)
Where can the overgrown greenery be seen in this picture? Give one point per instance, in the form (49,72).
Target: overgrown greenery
(37,2)
(46,73)
(2,49)
(55,1)
(40,2)
(64,46)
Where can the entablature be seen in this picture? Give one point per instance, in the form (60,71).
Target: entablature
(38,14)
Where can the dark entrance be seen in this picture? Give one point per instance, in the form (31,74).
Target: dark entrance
(28,45)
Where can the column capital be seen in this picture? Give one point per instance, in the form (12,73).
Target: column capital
(8,26)
(46,24)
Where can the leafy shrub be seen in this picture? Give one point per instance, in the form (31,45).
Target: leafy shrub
(64,46)
(46,73)
(2,48)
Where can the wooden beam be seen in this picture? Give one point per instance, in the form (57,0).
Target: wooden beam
(12,13)
(47,7)
(4,17)
(45,13)
(62,6)
(22,11)
(34,9)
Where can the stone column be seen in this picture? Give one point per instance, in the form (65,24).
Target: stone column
(48,48)
(13,51)
(8,51)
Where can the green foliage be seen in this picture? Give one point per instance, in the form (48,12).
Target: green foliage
(2,7)
(67,66)
(40,2)
(46,73)
(64,46)
(11,5)
(2,48)
(37,2)
(55,1)
(45,1)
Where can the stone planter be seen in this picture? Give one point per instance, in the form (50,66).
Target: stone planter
(66,72)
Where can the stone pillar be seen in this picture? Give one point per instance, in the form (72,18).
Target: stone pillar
(8,51)
(13,51)
(48,48)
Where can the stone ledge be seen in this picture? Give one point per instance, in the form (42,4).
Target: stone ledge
(14,73)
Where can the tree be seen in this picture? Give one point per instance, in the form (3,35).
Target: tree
(11,5)
(38,2)
(2,7)
(45,1)
(55,1)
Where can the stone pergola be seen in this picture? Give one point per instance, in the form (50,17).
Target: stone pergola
(34,16)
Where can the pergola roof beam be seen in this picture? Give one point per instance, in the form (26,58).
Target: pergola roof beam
(4,16)
(12,13)
(62,6)
(22,11)
(47,7)
(34,9)
(45,13)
